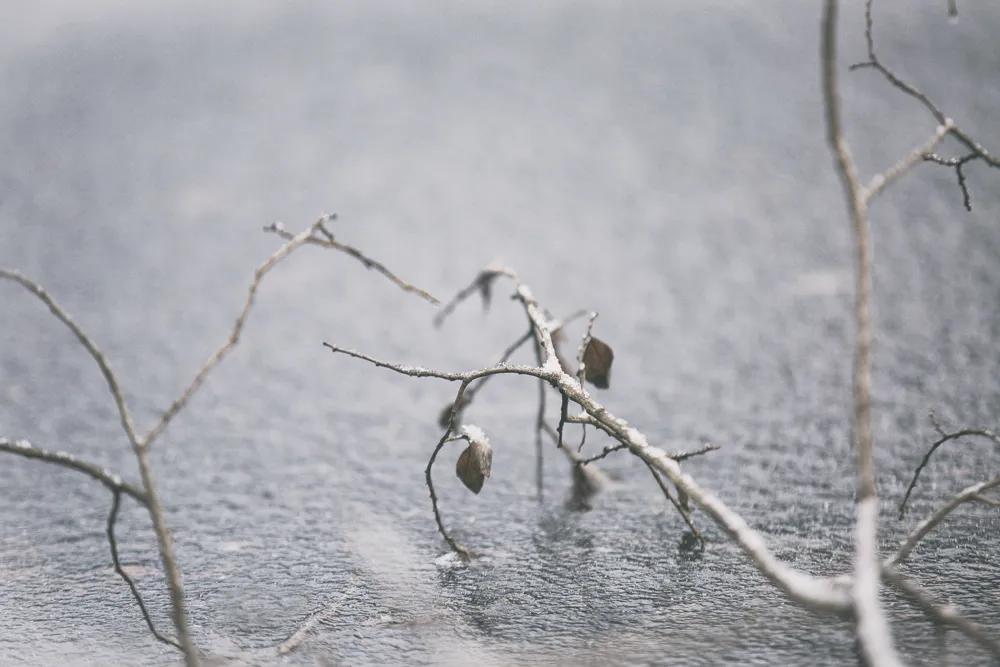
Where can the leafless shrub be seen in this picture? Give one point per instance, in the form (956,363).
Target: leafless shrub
(146,494)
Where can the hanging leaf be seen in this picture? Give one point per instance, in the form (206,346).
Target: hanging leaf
(484,281)
(598,358)
(476,460)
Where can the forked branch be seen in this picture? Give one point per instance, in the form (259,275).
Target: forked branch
(316,234)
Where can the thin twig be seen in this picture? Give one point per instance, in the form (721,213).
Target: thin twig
(112,481)
(481,283)
(120,571)
(945,437)
(563,408)
(880,182)
(683,456)
(683,512)
(368,262)
(928,524)
(539,420)
(610,449)
(946,614)
(581,368)
(234,336)
(421,372)
(976,150)
(102,362)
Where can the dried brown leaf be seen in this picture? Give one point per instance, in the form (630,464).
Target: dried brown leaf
(598,358)
(476,460)
(485,283)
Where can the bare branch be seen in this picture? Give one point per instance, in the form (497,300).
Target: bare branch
(928,524)
(369,263)
(102,362)
(421,372)
(539,420)
(234,336)
(946,614)
(945,437)
(676,456)
(562,420)
(683,512)
(683,456)
(976,150)
(113,482)
(957,163)
(610,449)
(481,284)
(872,626)
(881,181)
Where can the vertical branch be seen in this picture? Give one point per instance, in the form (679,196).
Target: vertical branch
(168,558)
(539,423)
(563,408)
(872,626)
(539,451)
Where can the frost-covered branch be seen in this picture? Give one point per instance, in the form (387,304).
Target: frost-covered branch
(813,592)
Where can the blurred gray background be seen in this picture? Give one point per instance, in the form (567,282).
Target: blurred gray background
(661,163)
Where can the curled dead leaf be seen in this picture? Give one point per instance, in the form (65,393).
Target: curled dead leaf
(476,460)
(598,358)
